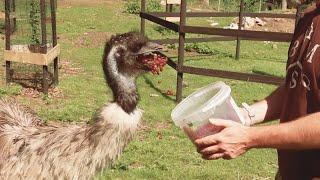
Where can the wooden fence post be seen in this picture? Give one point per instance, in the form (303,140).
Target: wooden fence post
(143,21)
(182,39)
(239,28)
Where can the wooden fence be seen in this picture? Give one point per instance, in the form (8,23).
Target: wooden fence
(219,34)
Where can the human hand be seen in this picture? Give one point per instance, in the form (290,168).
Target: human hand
(231,142)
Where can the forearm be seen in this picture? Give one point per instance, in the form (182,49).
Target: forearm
(267,109)
(303,133)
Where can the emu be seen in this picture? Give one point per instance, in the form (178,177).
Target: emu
(32,149)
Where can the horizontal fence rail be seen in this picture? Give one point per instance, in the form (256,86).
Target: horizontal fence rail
(223,14)
(233,75)
(258,35)
(162,22)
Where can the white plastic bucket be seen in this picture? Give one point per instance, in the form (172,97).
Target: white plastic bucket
(213,101)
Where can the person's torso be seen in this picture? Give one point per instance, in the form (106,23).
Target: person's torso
(302,94)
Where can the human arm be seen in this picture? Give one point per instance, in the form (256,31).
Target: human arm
(235,139)
(265,110)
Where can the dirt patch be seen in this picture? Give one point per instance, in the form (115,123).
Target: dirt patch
(69,68)
(53,92)
(162,125)
(143,129)
(92,39)
(276,25)
(70,3)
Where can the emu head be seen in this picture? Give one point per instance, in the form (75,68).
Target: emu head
(127,56)
(126,53)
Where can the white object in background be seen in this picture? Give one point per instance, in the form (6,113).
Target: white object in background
(213,101)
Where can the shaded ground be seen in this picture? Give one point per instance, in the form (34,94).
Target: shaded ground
(92,39)
(68,3)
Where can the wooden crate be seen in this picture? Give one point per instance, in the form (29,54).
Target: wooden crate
(178,2)
(173,19)
(22,54)
(2,15)
(173,2)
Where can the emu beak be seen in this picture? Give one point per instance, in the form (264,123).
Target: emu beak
(150,47)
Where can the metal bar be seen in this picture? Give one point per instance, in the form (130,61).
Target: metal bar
(45,79)
(298,15)
(167,8)
(45,83)
(259,35)
(182,36)
(170,7)
(233,75)
(54,42)
(223,14)
(56,71)
(239,28)
(8,39)
(54,22)
(7,24)
(162,22)
(8,72)
(14,19)
(43,26)
(143,21)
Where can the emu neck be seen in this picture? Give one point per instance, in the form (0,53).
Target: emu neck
(125,93)
(122,85)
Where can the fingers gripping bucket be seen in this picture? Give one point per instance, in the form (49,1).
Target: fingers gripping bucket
(213,101)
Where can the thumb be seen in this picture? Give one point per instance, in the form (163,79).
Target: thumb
(223,123)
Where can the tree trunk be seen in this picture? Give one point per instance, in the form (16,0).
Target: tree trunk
(284,4)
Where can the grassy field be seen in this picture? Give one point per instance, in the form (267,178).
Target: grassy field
(160,150)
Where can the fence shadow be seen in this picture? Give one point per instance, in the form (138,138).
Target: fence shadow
(30,80)
(163,94)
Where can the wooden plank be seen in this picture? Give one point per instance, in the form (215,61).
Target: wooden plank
(233,75)
(170,62)
(32,58)
(24,57)
(52,54)
(258,35)
(223,14)
(195,40)
(177,2)
(160,21)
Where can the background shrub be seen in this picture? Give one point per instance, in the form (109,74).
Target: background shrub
(133,6)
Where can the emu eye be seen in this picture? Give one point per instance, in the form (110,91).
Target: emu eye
(137,47)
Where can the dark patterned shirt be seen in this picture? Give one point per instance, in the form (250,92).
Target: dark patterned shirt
(302,95)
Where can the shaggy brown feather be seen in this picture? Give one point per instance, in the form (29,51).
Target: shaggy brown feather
(58,150)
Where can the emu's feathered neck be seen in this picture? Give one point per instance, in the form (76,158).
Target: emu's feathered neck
(123,85)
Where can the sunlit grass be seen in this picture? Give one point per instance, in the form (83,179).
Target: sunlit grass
(160,151)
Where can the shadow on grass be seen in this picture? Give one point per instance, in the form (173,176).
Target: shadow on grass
(30,80)
(150,83)
(264,73)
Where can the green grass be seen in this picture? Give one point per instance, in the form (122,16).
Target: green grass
(148,156)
